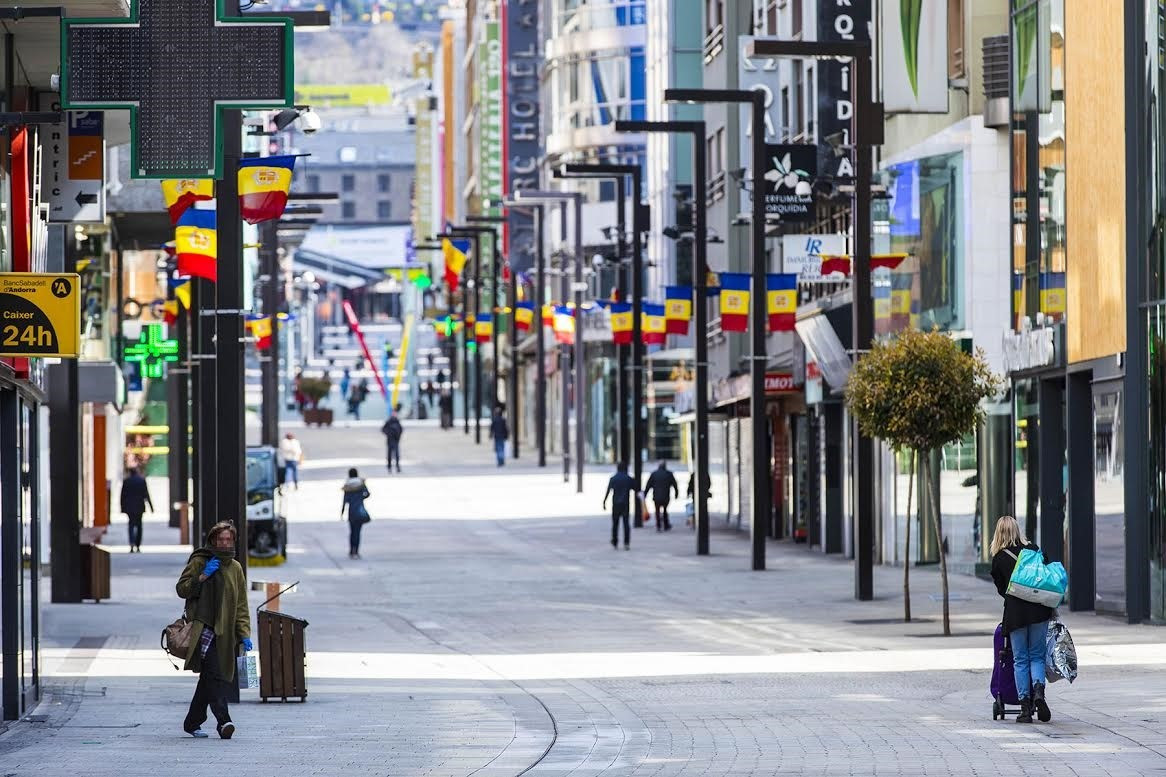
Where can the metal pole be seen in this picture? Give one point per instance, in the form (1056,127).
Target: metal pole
(465,376)
(178,419)
(638,228)
(477,351)
(205,402)
(623,434)
(700,442)
(269,363)
(513,384)
(565,350)
(580,364)
(863,329)
(759,525)
(495,253)
(540,387)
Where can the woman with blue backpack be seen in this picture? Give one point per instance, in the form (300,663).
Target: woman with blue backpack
(1025,622)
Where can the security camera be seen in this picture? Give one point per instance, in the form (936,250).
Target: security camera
(310,122)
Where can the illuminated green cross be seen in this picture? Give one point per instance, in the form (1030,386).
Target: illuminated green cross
(152,351)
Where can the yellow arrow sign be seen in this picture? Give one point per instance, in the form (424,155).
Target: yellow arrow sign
(40,314)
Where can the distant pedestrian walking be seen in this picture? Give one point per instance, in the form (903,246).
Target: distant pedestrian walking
(356,397)
(445,404)
(690,490)
(345,382)
(1026,623)
(355,492)
(500,433)
(393,430)
(135,495)
(215,591)
(662,483)
(620,488)
(291,455)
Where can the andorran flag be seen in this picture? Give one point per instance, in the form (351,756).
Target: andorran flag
(181,288)
(523,316)
(548,315)
(196,243)
(261,329)
(181,193)
(890,261)
(677,309)
(621,323)
(263,186)
(653,328)
(564,325)
(781,301)
(170,311)
(833,264)
(483,327)
(734,301)
(454,252)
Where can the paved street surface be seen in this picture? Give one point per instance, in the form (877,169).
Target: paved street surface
(490,629)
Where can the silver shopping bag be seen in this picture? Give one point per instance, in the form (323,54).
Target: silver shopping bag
(247,670)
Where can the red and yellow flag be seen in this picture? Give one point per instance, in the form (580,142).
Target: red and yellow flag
(483,327)
(677,309)
(181,193)
(781,301)
(653,327)
(621,323)
(523,316)
(263,186)
(734,301)
(261,329)
(196,244)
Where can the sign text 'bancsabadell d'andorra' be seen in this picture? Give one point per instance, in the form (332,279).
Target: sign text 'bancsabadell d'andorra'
(40,314)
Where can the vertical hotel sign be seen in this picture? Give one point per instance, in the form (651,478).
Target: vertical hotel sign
(838,21)
(521,129)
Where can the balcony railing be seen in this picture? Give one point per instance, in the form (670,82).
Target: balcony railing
(601,16)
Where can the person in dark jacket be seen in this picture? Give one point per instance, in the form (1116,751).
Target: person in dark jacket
(620,489)
(135,495)
(215,590)
(1025,623)
(662,483)
(355,492)
(393,431)
(690,491)
(500,433)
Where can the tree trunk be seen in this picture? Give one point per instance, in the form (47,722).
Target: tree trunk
(907,548)
(939,541)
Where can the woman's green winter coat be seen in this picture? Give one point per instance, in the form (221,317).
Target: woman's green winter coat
(233,622)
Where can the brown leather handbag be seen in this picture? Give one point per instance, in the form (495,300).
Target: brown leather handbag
(177,638)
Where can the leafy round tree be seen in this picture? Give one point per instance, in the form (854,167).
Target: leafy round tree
(918,392)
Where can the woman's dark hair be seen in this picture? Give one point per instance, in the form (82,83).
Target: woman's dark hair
(218,528)
(352,473)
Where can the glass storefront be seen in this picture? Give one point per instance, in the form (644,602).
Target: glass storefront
(1109,497)
(1026,445)
(1156,502)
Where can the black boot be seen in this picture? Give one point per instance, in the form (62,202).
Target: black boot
(1025,715)
(1043,713)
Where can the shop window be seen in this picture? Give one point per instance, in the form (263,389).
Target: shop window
(1109,497)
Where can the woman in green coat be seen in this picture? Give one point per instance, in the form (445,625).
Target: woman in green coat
(215,591)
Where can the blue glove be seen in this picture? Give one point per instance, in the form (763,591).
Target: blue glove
(211,567)
(247,644)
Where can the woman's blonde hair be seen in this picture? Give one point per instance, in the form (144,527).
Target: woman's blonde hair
(1007,534)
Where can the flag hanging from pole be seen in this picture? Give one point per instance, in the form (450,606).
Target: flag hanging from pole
(833,264)
(621,323)
(264,183)
(181,288)
(677,309)
(181,193)
(653,327)
(454,253)
(483,327)
(890,261)
(196,244)
(524,316)
(781,302)
(261,330)
(548,314)
(734,301)
(170,311)
(564,325)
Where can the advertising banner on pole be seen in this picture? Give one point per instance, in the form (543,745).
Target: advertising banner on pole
(914,56)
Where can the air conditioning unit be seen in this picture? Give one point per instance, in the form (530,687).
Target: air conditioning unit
(996,77)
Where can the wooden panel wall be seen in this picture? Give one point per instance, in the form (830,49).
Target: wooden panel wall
(1094,180)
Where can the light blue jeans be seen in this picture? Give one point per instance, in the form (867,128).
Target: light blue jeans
(500,451)
(1028,656)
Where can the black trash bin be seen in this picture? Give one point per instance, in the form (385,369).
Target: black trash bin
(281,656)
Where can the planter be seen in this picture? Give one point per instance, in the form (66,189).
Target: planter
(320,416)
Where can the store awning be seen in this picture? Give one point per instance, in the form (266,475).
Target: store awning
(825,347)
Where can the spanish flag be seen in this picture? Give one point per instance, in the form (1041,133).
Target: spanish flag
(781,301)
(677,309)
(833,264)
(564,325)
(734,301)
(196,243)
(483,327)
(170,311)
(523,316)
(653,328)
(621,323)
(454,252)
(181,193)
(261,329)
(263,186)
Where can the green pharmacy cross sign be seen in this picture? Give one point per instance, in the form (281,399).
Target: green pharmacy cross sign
(152,351)
(176,65)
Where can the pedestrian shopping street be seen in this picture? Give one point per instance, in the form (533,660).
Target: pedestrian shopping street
(490,629)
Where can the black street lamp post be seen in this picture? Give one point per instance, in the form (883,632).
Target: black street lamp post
(700,310)
(512,387)
(761,502)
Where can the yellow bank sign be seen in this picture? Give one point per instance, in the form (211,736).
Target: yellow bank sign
(40,314)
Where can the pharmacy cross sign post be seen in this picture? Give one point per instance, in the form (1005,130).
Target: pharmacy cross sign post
(176,65)
(152,351)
